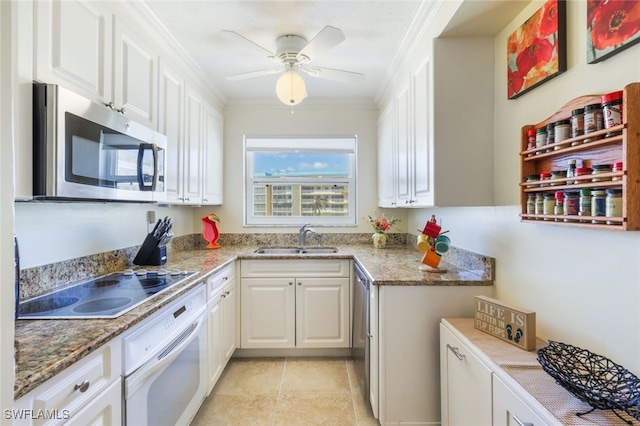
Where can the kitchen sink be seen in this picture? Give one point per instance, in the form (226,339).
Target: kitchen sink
(296,250)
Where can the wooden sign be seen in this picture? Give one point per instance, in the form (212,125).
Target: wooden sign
(508,323)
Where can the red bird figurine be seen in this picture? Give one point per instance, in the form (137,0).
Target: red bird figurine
(210,231)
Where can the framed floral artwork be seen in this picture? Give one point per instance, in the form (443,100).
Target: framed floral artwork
(536,51)
(612,26)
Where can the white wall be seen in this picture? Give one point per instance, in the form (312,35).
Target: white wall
(50,232)
(360,121)
(583,284)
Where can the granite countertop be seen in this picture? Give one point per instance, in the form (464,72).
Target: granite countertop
(43,348)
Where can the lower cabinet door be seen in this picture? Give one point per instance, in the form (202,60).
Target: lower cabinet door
(465,384)
(322,313)
(509,409)
(268,313)
(105,409)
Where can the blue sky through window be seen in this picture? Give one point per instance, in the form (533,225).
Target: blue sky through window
(300,164)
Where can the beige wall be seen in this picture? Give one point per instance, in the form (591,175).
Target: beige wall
(305,120)
(583,284)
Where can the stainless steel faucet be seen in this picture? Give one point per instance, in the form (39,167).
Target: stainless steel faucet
(304,230)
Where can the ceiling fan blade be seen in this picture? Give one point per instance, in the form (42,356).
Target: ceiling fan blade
(252,74)
(234,36)
(333,74)
(327,38)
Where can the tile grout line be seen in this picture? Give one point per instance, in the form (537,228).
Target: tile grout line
(275,408)
(353,402)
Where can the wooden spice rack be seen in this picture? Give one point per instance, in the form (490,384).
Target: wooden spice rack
(624,147)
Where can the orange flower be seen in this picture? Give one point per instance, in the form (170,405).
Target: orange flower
(614,23)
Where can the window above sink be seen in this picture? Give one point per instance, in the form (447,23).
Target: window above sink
(296,180)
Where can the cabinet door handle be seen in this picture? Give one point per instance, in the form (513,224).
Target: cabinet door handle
(82,387)
(299,282)
(456,352)
(520,422)
(290,282)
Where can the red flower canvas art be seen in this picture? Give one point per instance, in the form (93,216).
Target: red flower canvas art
(536,50)
(612,26)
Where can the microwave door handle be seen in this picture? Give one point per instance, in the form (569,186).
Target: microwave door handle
(141,149)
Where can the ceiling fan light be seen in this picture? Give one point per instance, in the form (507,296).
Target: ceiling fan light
(290,88)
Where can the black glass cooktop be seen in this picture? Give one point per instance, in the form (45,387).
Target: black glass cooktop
(104,297)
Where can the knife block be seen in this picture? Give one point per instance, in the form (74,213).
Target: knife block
(151,253)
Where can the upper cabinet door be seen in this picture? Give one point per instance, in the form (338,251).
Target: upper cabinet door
(403,151)
(171,124)
(422,160)
(73,46)
(213,165)
(192,160)
(135,76)
(386,158)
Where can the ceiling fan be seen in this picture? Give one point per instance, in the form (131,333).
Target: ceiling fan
(294,53)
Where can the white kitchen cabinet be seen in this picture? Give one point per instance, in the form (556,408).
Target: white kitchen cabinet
(403,147)
(73,46)
(443,132)
(469,397)
(509,409)
(213,165)
(223,311)
(104,410)
(465,384)
(295,303)
(135,79)
(267,309)
(171,124)
(408,349)
(322,312)
(387,157)
(93,381)
(192,147)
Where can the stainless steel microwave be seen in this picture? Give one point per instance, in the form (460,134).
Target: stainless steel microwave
(88,151)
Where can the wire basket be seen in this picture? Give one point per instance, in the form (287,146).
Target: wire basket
(592,378)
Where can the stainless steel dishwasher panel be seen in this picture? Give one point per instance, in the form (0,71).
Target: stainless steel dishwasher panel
(360,345)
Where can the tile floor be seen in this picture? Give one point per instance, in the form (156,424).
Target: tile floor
(286,391)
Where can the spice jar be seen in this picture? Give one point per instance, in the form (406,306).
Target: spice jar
(598,204)
(531,139)
(613,204)
(558,209)
(530,179)
(592,120)
(571,170)
(584,203)
(539,209)
(551,135)
(549,203)
(531,204)
(598,169)
(558,174)
(571,204)
(541,138)
(616,167)
(612,111)
(577,124)
(562,130)
(544,179)
(582,171)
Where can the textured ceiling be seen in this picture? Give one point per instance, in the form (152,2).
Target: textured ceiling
(375,32)
(373,29)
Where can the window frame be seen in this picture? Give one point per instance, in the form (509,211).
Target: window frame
(316,144)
